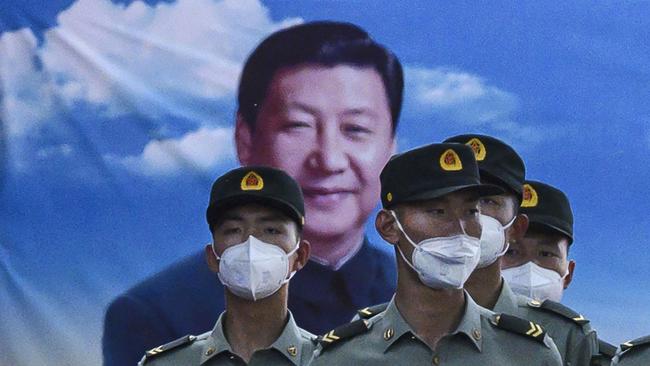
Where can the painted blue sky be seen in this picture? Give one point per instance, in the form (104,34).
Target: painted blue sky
(117,116)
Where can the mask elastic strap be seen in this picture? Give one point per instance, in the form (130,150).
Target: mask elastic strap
(507,226)
(505,250)
(399,226)
(293,273)
(214,251)
(507,243)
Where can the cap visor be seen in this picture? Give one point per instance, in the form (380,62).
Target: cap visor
(214,211)
(544,221)
(482,189)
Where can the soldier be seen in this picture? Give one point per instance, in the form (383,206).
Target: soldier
(538,265)
(500,164)
(256,216)
(430,198)
(633,353)
(606,352)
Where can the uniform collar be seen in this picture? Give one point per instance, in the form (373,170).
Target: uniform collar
(289,343)
(470,324)
(507,301)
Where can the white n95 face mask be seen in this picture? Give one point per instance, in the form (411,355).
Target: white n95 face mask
(493,240)
(254,269)
(444,262)
(535,282)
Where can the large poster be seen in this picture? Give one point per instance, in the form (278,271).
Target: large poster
(116,117)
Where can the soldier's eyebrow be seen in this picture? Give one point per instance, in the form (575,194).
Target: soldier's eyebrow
(231,217)
(272,218)
(549,243)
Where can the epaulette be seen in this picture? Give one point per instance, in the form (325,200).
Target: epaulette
(188,339)
(369,312)
(606,349)
(643,341)
(343,332)
(520,326)
(557,308)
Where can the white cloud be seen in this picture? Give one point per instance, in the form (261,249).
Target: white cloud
(64,150)
(140,59)
(27,94)
(202,150)
(462,96)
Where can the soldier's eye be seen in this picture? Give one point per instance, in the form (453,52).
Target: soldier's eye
(272,230)
(547,254)
(231,230)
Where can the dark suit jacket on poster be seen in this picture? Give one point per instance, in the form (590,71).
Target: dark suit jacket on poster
(187,298)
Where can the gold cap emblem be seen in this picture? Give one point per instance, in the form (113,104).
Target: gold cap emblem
(450,161)
(530,197)
(478,147)
(252,182)
(389,197)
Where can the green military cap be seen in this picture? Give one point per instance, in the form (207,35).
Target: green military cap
(497,161)
(548,207)
(256,184)
(429,172)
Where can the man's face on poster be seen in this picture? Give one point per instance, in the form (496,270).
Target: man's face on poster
(330,128)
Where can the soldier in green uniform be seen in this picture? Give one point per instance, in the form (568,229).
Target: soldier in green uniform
(503,224)
(633,353)
(430,198)
(256,215)
(606,352)
(538,265)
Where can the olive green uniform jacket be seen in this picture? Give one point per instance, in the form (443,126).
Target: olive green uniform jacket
(570,331)
(294,347)
(481,338)
(633,353)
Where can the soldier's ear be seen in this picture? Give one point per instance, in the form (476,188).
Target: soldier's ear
(519,227)
(569,276)
(387,227)
(243,140)
(211,259)
(302,255)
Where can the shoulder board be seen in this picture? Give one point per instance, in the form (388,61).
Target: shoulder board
(369,312)
(643,341)
(606,349)
(557,308)
(520,326)
(188,339)
(343,332)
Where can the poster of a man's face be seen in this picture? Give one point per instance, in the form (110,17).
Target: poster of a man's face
(334,139)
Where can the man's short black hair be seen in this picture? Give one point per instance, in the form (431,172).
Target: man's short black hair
(322,43)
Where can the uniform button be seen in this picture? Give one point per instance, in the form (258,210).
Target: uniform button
(293,351)
(232,357)
(436,360)
(476,334)
(209,351)
(388,333)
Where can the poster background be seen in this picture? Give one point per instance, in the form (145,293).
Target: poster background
(115,117)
